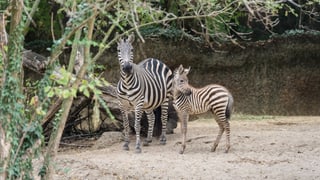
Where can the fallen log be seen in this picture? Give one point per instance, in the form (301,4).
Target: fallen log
(34,61)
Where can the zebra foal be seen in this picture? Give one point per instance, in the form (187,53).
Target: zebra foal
(142,87)
(189,100)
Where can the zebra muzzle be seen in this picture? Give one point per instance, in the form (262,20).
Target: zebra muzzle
(127,68)
(187,92)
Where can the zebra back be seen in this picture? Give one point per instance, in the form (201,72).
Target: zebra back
(157,80)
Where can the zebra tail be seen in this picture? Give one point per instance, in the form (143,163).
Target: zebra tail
(229,107)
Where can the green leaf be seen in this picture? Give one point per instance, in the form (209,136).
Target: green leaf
(47,89)
(82,87)
(86,93)
(91,86)
(84,82)
(73,92)
(40,111)
(97,92)
(66,93)
(50,93)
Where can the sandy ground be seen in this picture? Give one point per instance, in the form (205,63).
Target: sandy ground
(261,148)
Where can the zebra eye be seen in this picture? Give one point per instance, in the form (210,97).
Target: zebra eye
(181,80)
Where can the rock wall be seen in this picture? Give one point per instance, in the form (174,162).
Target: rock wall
(276,77)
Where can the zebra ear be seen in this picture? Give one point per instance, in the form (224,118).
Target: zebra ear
(180,69)
(187,70)
(120,41)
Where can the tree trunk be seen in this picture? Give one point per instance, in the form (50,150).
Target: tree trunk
(55,139)
(56,136)
(12,69)
(5,147)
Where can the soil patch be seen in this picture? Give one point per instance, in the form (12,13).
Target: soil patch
(276,148)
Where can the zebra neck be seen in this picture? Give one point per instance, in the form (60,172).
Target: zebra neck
(179,95)
(129,81)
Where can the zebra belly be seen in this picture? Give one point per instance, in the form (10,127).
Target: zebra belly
(148,104)
(190,109)
(198,111)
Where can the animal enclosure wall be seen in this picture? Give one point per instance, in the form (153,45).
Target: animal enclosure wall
(278,77)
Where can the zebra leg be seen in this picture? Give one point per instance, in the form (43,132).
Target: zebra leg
(126,129)
(164,119)
(221,130)
(137,127)
(151,119)
(227,128)
(184,118)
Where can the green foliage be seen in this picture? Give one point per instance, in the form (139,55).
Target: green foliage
(3,5)
(228,18)
(313,2)
(42,28)
(62,88)
(158,31)
(21,132)
(62,78)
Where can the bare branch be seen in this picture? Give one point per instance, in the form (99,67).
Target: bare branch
(79,59)
(57,51)
(30,15)
(135,20)
(52,30)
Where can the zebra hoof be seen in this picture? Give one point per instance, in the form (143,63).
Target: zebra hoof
(214,147)
(181,151)
(183,147)
(227,150)
(163,142)
(138,150)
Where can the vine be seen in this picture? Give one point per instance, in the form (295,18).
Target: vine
(22,135)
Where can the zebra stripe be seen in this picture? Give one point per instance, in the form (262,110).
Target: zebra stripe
(189,100)
(142,87)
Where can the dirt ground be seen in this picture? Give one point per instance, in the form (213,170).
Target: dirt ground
(261,148)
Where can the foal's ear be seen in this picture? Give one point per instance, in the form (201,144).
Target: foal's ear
(119,43)
(180,69)
(186,71)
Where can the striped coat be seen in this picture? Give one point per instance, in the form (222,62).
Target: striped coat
(190,100)
(142,87)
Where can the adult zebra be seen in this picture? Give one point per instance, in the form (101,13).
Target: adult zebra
(142,87)
(189,100)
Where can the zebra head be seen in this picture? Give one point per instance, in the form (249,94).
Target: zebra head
(181,81)
(125,54)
